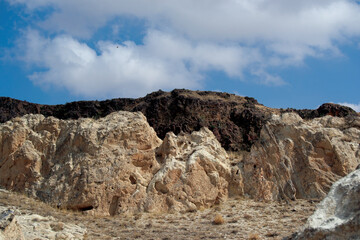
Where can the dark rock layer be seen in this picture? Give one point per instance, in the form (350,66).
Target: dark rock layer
(236,121)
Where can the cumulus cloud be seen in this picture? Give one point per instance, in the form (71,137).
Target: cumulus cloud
(184,39)
(162,62)
(356,107)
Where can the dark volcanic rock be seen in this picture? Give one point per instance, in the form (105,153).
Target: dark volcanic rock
(236,121)
(325,109)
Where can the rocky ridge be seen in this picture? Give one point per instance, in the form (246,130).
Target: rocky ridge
(117,164)
(235,121)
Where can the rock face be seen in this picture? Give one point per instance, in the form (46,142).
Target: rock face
(118,164)
(111,165)
(236,121)
(295,158)
(80,164)
(16,226)
(195,172)
(338,215)
(9,228)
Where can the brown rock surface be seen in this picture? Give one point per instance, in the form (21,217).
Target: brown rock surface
(295,158)
(236,121)
(195,173)
(109,165)
(83,164)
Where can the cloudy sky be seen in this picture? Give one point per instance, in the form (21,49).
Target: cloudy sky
(284,53)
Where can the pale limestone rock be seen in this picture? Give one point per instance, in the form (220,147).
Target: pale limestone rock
(109,166)
(21,226)
(101,166)
(295,158)
(338,215)
(195,173)
(9,227)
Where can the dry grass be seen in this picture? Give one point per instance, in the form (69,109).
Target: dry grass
(218,220)
(244,217)
(254,236)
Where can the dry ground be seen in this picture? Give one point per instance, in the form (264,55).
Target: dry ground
(242,219)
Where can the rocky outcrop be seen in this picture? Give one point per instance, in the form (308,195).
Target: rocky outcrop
(111,165)
(20,226)
(338,215)
(85,164)
(9,227)
(195,173)
(236,121)
(117,164)
(295,158)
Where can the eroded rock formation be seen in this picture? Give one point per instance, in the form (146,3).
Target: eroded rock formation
(296,158)
(83,164)
(22,226)
(111,165)
(338,215)
(235,121)
(118,164)
(195,172)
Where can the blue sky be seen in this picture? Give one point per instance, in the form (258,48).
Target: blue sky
(284,53)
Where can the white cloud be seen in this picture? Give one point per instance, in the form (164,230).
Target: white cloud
(356,107)
(163,62)
(185,39)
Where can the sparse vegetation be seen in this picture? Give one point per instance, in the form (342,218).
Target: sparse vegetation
(218,220)
(260,224)
(254,236)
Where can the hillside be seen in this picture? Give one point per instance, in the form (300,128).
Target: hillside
(235,121)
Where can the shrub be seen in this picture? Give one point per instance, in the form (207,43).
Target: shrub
(218,220)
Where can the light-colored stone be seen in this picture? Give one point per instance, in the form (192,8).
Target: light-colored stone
(338,215)
(100,166)
(21,226)
(195,173)
(295,158)
(111,165)
(9,227)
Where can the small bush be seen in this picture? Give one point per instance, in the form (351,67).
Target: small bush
(254,236)
(218,220)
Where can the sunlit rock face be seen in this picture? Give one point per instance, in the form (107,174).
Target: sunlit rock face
(338,215)
(85,164)
(195,172)
(117,164)
(295,158)
(109,166)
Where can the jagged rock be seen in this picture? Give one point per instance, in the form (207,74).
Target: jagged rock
(9,228)
(236,121)
(338,215)
(195,173)
(16,226)
(85,164)
(295,158)
(108,166)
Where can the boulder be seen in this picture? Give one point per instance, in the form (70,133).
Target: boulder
(296,158)
(195,173)
(338,215)
(9,228)
(86,164)
(20,226)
